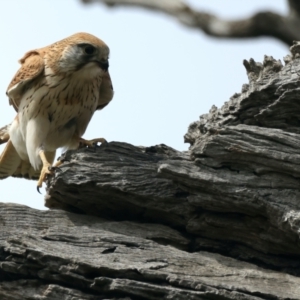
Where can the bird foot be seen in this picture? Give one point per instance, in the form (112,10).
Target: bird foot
(91,143)
(46,170)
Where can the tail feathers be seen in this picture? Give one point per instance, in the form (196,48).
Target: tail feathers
(4,135)
(12,165)
(9,160)
(25,170)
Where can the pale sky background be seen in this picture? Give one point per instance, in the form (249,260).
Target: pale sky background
(165,75)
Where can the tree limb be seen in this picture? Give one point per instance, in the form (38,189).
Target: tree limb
(294,6)
(284,28)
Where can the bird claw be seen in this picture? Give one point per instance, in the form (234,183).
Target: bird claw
(38,189)
(53,169)
(46,170)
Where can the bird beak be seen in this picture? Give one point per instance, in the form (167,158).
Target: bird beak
(104,65)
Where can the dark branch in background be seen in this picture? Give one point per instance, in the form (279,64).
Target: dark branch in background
(282,27)
(294,7)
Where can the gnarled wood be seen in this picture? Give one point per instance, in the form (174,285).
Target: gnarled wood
(57,255)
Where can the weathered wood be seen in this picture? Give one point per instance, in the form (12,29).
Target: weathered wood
(48,254)
(220,221)
(224,205)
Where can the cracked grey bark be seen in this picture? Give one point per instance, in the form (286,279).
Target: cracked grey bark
(220,221)
(60,255)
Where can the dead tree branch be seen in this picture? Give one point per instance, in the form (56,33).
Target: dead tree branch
(282,27)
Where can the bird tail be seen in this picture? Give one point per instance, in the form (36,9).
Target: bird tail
(12,165)
(4,135)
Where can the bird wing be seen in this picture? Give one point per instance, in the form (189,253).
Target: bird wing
(32,65)
(106,91)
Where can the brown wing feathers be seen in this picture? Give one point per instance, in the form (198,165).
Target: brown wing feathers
(32,65)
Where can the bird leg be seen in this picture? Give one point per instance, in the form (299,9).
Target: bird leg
(91,143)
(47,168)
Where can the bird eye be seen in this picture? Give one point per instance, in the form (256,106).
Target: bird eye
(89,49)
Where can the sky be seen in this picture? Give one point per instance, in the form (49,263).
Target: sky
(165,75)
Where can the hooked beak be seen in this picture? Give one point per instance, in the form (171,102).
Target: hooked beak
(104,65)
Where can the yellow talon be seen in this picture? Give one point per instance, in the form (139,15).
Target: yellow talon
(47,169)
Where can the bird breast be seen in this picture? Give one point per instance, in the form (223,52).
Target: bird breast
(65,103)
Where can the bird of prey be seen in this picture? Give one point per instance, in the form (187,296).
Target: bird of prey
(55,94)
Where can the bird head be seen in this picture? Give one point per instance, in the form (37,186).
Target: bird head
(81,52)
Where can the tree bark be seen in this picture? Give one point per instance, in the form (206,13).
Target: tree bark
(220,221)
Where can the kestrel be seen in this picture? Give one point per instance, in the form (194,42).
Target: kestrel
(55,93)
